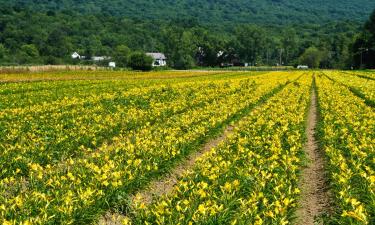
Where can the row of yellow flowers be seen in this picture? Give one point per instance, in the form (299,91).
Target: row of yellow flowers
(99,75)
(347,136)
(46,133)
(368,74)
(27,94)
(249,179)
(30,95)
(363,86)
(88,181)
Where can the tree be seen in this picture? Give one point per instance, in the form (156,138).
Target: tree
(311,57)
(94,46)
(2,51)
(28,54)
(289,44)
(140,61)
(56,34)
(121,55)
(251,40)
(370,24)
(30,50)
(58,44)
(368,52)
(183,61)
(211,48)
(180,47)
(340,51)
(364,46)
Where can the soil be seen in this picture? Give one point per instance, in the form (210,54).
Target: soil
(165,185)
(314,200)
(111,219)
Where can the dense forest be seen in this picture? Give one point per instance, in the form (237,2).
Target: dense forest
(363,49)
(213,11)
(48,32)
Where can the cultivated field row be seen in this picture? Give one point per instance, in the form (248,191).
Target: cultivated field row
(77,151)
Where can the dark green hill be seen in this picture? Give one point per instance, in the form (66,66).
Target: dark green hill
(189,32)
(214,11)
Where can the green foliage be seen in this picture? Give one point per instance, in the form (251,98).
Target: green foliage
(209,47)
(288,43)
(370,24)
(2,51)
(51,60)
(30,50)
(57,29)
(180,46)
(183,62)
(28,54)
(140,61)
(213,12)
(364,46)
(251,40)
(121,55)
(312,57)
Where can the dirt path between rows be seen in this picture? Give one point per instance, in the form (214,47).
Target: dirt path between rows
(165,186)
(314,200)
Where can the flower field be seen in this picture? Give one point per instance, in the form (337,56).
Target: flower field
(347,132)
(75,146)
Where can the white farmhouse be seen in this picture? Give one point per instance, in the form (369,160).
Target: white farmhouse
(159,59)
(75,55)
(100,58)
(302,67)
(112,64)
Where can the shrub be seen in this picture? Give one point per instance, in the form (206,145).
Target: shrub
(140,61)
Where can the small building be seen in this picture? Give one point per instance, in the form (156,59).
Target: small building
(100,58)
(112,64)
(302,67)
(75,55)
(159,59)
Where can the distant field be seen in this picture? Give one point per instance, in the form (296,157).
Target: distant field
(84,147)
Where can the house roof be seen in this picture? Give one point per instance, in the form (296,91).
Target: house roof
(156,55)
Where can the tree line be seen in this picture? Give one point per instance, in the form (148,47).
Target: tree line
(29,37)
(364,45)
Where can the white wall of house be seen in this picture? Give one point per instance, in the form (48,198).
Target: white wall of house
(302,67)
(75,55)
(159,59)
(159,62)
(112,64)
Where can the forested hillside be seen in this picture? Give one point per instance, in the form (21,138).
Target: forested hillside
(190,33)
(215,11)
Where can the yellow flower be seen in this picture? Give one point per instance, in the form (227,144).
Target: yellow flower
(202,209)
(352,214)
(126,221)
(6,222)
(227,187)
